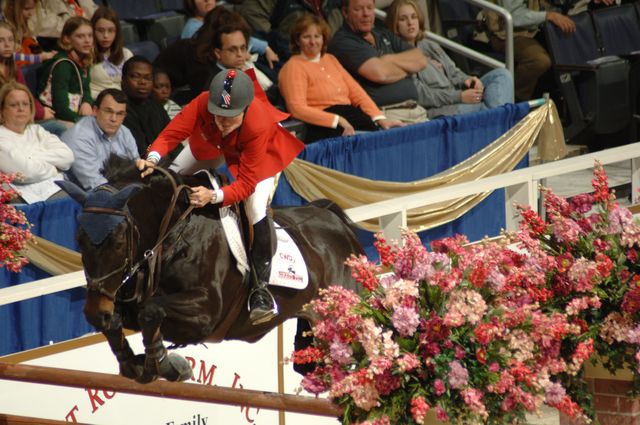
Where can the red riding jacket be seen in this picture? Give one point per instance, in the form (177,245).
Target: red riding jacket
(259,149)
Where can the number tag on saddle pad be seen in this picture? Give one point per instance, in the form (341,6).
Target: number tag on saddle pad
(288,268)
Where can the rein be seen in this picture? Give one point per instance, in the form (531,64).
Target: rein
(152,256)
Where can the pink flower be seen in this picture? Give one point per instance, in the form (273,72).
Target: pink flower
(458,375)
(407,362)
(464,306)
(554,393)
(419,409)
(494,367)
(341,353)
(438,387)
(473,398)
(441,415)
(619,219)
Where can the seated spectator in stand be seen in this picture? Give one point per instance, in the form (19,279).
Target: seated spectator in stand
(442,87)
(51,16)
(110,53)
(530,57)
(162,93)
(19,14)
(380,61)
(222,42)
(197,10)
(145,117)
(64,82)
(272,19)
(93,139)
(320,92)
(9,71)
(26,148)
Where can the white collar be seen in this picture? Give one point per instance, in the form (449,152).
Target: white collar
(315,59)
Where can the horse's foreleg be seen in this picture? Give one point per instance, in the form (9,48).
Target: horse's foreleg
(157,361)
(130,365)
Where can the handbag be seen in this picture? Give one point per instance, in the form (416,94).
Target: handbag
(75,99)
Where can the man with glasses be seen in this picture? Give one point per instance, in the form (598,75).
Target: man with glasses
(94,138)
(146,118)
(229,124)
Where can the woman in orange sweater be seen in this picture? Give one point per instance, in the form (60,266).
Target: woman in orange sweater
(320,92)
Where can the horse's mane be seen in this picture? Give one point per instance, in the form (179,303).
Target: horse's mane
(120,171)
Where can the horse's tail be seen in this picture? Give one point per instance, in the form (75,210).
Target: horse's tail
(328,204)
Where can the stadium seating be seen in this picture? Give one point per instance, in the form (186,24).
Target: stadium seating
(618,29)
(146,48)
(595,88)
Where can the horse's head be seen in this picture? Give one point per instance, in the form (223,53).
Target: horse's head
(106,237)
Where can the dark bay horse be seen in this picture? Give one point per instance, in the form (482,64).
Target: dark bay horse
(153,264)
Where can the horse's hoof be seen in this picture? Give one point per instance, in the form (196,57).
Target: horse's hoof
(175,368)
(133,367)
(146,377)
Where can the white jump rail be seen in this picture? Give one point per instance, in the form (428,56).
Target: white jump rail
(520,186)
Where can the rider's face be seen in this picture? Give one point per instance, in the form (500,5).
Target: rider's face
(227,124)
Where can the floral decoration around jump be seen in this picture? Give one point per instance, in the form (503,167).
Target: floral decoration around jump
(487,332)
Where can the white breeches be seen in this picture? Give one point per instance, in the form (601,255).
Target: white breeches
(255,205)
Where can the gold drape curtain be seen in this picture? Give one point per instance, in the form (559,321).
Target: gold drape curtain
(312,181)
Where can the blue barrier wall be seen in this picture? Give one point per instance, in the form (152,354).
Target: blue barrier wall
(404,154)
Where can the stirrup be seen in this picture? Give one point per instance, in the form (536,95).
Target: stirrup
(261,316)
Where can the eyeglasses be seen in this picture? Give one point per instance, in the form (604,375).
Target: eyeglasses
(141,77)
(235,49)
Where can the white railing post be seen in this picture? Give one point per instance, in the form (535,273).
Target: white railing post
(635,178)
(392,225)
(524,194)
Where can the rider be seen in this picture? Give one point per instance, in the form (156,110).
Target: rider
(228,123)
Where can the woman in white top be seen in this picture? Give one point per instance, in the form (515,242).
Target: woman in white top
(110,53)
(27,149)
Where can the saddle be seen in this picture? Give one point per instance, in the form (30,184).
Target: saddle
(288,268)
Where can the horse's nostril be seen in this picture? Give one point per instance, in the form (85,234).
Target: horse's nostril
(106,319)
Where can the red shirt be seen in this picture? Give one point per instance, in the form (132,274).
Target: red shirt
(259,149)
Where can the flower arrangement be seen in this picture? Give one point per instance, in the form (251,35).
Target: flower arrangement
(483,333)
(14,228)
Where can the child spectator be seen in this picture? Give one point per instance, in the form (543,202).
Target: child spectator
(11,72)
(18,13)
(67,92)
(110,53)
(162,92)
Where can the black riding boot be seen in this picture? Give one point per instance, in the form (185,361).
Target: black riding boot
(262,305)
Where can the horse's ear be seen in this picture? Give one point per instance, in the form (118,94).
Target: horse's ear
(121,198)
(73,190)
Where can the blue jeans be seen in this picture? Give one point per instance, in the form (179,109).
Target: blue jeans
(498,90)
(53,126)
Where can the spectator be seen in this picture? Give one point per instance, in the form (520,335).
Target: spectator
(93,139)
(110,53)
(64,82)
(272,19)
(221,43)
(380,61)
(196,11)
(162,93)
(530,57)
(26,148)
(442,87)
(145,117)
(9,71)
(19,14)
(51,15)
(320,92)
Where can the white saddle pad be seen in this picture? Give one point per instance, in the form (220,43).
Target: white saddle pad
(288,268)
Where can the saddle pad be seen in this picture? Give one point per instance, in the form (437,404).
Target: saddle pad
(288,268)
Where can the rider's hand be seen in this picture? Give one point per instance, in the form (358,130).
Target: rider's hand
(201,196)
(145,166)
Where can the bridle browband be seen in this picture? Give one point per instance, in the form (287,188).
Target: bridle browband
(152,256)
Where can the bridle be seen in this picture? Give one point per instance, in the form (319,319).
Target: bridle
(151,256)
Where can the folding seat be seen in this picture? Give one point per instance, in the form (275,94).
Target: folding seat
(129,10)
(30,73)
(618,29)
(129,32)
(146,48)
(175,5)
(595,89)
(165,28)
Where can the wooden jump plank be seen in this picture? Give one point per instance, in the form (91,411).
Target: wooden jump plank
(25,420)
(174,390)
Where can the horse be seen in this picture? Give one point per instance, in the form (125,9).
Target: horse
(156,265)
